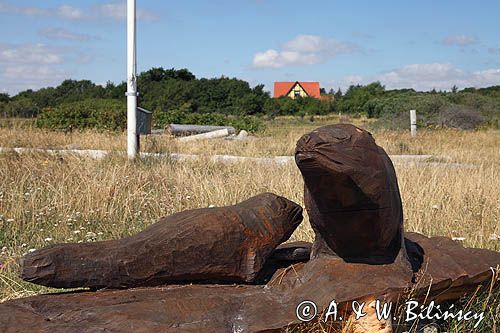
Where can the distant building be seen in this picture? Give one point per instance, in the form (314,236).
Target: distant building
(297,88)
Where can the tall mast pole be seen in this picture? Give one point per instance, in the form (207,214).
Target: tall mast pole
(132,137)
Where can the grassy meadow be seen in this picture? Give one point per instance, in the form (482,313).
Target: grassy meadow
(50,199)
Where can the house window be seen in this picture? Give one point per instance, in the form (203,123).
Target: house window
(296,93)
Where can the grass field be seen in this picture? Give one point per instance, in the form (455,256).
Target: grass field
(47,199)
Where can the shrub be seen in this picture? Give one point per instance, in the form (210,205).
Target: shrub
(21,108)
(91,113)
(462,117)
(298,107)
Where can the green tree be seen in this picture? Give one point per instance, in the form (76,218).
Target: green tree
(338,94)
(4,98)
(356,96)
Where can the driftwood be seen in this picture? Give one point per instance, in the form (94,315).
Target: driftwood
(184,130)
(222,133)
(225,244)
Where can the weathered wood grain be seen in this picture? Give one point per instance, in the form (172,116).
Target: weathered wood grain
(254,308)
(223,244)
(351,195)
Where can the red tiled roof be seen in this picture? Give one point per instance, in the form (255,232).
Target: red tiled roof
(311,88)
(283,88)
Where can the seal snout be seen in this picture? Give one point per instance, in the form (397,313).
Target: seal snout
(308,160)
(302,157)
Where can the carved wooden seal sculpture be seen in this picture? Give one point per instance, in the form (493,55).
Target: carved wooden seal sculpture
(351,195)
(350,191)
(224,244)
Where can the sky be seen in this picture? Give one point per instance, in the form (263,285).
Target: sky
(403,44)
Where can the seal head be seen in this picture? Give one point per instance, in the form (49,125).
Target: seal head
(351,195)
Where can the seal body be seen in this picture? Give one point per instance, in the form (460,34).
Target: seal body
(221,244)
(351,195)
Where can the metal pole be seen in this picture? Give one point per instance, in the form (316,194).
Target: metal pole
(132,142)
(413,122)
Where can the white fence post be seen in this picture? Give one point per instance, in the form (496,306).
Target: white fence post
(413,122)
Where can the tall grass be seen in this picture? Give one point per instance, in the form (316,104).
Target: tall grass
(47,199)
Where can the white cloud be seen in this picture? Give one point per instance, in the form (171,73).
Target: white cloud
(30,11)
(302,50)
(460,40)
(426,77)
(118,11)
(30,54)
(276,59)
(110,10)
(33,66)
(33,74)
(63,34)
(485,78)
(494,50)
(70,12)
(22,77)
(305,43)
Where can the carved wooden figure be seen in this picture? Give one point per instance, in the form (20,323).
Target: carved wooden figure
(223,244)
(351,195)
(360,254)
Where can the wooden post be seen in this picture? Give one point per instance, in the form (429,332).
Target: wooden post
(413,122)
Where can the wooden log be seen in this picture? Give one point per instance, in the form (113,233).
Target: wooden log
(205,136)
(184,130)
(222,244)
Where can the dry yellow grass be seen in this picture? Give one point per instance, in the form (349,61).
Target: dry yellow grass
(45,200)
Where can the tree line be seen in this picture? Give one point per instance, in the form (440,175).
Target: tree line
(178,96)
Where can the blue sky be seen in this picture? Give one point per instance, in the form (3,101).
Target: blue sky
(404,44)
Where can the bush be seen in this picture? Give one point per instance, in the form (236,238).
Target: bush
(92,113)
(298,107)
(426,105)
(488,106)
(248,123)
(21,108)
(111,115)
(462,117)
